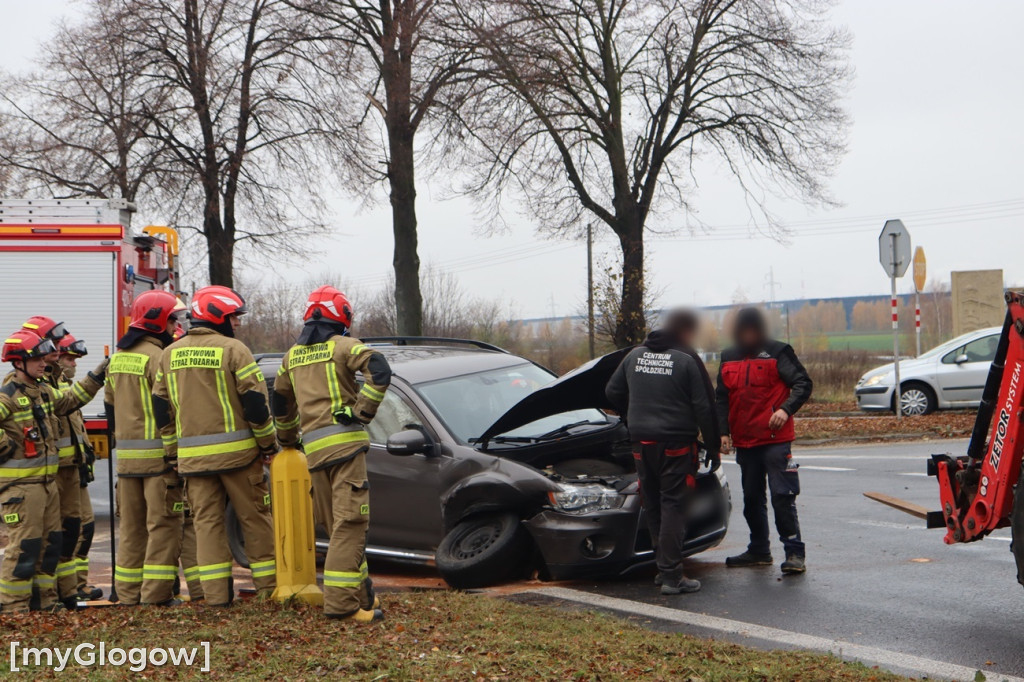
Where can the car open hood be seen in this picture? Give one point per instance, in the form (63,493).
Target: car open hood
(581,388)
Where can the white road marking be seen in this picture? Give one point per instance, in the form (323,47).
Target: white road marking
(846,650)
(819,468)
(912,473)
(886,524)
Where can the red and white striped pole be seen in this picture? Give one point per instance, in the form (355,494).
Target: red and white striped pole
(897,395)
(917,319)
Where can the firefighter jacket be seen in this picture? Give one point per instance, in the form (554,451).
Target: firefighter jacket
(128,396)
(29,422)
(751,386)
(66,449)
(210,399)
(317,392)
(79,434)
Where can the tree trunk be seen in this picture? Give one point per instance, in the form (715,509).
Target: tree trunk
(408,297)
(220,244)
(631,327)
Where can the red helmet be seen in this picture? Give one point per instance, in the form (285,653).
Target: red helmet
(327,303)
(25,345)
(214,304)
(152,309)
(45,327)
(69,345)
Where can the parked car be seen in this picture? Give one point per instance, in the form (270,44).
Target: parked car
(484,464)
(948,376)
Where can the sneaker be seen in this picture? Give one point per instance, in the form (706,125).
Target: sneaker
(748,558)
(362,616)
(90,593)
(658,580)
(794,563)
(683,585)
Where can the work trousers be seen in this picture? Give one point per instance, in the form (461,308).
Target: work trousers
(773,462)
(69,485)
(151,511)
(667,473)
(189,561)
(249,493)
(31,512)
(341,494)
(85,536)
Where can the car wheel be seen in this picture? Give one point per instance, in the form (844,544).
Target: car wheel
(484,550)
(236,541)
(917,399)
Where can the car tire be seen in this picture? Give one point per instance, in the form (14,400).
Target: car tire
(917,399)
(236,541)
(484,550)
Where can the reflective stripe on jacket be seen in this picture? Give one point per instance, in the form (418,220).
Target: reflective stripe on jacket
(131,376)
(217,397)
(316,382)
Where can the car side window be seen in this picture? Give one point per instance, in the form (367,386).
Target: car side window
(950,357)
(982,350)
(393,415)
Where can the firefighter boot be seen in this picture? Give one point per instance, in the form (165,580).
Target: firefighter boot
(86,592)
(342,500)
(361,616)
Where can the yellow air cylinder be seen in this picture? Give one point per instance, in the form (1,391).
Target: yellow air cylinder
(294,535)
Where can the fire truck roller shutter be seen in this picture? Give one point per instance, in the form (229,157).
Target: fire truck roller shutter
(73,287)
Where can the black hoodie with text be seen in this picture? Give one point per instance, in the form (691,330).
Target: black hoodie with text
(665,395)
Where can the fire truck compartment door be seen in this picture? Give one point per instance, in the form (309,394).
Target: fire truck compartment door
(74,287)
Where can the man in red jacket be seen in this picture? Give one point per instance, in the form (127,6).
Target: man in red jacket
(761,385)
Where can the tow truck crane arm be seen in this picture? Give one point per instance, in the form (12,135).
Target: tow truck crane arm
(976,491)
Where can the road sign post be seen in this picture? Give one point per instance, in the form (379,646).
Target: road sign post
(894,255)
(920,278)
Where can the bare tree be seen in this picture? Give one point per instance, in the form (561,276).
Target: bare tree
(393,58)
(76,125)
(601,107)
(249,123)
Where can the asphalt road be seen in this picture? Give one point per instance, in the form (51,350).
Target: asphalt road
(876,576)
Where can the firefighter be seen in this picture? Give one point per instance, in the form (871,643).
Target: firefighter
(71,350)
(68,480)
(316,393)
(210,400)
(761,385)
(149,491)
(29,461)
(667,398)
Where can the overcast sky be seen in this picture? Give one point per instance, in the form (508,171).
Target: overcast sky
(936,140)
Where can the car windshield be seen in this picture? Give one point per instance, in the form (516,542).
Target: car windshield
(470,403)
(949,345)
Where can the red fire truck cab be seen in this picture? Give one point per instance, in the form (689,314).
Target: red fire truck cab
(79,262)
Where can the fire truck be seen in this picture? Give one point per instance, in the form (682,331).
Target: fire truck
(78,261)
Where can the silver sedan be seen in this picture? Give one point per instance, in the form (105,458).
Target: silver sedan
(948,376)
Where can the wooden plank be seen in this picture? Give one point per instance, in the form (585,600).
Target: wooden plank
(896,503)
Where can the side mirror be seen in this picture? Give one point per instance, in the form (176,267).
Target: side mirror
(409,442)
(961,359)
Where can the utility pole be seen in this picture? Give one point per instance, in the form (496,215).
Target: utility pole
(590,289)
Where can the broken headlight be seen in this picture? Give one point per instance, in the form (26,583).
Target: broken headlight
(585,498)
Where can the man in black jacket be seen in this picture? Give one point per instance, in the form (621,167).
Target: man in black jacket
(666,397)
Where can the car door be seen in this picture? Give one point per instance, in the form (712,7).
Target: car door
(405,495)
(963,371)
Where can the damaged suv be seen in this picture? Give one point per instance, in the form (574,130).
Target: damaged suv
(487,465)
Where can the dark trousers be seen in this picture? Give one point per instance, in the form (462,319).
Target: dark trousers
(774,463)
(667,474)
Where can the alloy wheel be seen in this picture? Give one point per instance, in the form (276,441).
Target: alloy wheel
(914,402)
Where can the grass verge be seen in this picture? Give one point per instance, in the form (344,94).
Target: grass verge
(427,636)
(885,427)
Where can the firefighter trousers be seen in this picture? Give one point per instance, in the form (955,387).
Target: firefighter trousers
(31,512)
(69,485)
(341,494)
(85,536)
(151,510)
(189,562)
(249,493)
